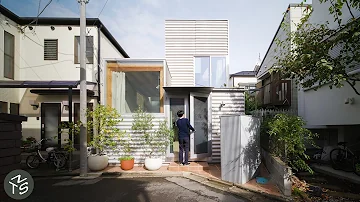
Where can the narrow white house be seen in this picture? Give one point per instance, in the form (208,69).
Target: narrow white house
(193,77)
(40,64)
(333,113)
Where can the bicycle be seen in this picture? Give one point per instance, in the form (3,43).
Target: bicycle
(55,157)
(343,158)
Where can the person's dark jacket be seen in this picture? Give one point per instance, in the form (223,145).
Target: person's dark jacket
(184,125)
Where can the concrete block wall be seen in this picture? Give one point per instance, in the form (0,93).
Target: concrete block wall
(279,172)
(10,143)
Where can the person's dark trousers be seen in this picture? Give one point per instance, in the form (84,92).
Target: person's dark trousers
(184,143)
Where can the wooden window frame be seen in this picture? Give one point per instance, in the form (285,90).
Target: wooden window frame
(115,67)
(76,56)
(12,76)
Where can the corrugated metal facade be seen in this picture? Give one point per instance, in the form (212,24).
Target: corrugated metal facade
(185,39)
(234,101)
(137,142)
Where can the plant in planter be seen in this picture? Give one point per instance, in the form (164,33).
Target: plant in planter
(156,141)
(105,119)
(126,161)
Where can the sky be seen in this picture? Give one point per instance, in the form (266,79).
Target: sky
(138,25)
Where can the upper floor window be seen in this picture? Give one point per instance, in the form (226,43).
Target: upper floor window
(50,49)
(89,50)
(9,53)
(3,107)
(210,71)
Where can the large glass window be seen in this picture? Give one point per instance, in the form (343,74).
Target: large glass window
(210,71)
(218,72)
(133,89)
(202,71)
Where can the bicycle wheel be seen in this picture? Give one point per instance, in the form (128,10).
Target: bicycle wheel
(356,163)
(337,157)
(59,160)
(33,161)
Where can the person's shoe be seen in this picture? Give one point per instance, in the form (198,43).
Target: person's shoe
(186,164)
(181,164)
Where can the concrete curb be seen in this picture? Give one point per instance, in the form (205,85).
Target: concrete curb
(243,188)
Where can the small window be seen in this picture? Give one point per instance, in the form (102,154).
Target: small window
(9,61)
(50,49)
(14,108)
(3,107)
(89,50)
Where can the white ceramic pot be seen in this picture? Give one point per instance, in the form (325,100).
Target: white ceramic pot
(97,163)
(153,163)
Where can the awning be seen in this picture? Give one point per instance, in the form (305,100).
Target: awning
(189,89)
(42,84)
(90,93)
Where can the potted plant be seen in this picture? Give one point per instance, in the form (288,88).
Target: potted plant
(126,161)
(156,141)
(105,120)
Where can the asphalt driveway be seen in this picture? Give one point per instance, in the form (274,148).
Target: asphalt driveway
(159,189)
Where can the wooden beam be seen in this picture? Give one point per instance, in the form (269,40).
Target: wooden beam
(134,67)
(109,87)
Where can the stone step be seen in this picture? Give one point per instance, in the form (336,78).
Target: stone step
(194,166)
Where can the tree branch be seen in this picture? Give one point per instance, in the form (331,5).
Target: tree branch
(348,6)
(353,87)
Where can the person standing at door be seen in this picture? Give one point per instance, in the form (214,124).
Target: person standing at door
(184,127)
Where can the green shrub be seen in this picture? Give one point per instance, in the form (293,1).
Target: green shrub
(288,138)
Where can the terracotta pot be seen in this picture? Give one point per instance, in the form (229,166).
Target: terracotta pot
(127,164)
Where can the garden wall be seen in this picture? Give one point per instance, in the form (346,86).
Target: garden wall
(10,143)
(280,173)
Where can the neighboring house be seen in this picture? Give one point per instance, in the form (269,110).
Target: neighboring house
(243,80)
(193,78)
(274,92)
(333,113)
(44,55)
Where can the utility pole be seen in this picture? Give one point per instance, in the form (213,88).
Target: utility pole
(83,91)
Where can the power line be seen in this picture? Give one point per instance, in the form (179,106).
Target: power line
(37,17)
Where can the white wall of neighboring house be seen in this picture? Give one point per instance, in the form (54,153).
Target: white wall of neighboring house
(9,95)
(30,65)
(242,80)
(327,106)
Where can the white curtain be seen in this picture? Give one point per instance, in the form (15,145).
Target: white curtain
(118,91)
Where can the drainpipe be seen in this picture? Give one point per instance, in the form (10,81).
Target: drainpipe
(98,64)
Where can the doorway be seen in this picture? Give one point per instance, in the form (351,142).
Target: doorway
(200,118)
(50,122)
(176,103)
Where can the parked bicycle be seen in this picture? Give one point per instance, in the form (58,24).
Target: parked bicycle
(55,157)
(343,158)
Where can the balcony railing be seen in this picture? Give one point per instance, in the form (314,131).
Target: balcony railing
(277,93)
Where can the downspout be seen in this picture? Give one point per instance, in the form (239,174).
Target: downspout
(98,63)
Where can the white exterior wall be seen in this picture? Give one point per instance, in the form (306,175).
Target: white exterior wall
(235,80)
(107,52)
(137,140)
(9,95)
(234,101)
(185,39)
(326,106)
(36,68)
